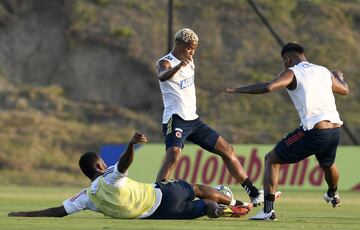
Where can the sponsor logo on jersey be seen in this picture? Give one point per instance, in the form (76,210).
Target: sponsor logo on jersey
(178,134)
(306,65)
(186,82)
(168,57)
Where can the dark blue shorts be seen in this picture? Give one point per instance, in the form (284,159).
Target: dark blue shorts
(177,130)
(178,202)
(301,144)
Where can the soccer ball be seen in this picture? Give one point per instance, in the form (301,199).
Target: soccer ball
(225,190)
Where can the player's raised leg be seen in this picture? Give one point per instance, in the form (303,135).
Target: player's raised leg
(227,153)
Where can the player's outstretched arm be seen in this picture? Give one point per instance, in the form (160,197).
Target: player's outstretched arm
(50,212)
(284,79)
(128,156)
(339,85)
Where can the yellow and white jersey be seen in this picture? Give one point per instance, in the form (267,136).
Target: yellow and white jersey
(178,92)
(117,196)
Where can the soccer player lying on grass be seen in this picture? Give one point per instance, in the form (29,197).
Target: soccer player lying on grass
(114,194)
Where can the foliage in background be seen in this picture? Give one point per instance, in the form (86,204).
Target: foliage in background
(48,118)
(43,133)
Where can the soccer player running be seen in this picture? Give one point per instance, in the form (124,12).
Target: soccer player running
(311,88)
(114,194)
(176,74)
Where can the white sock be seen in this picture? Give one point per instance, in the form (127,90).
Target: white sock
(233,202)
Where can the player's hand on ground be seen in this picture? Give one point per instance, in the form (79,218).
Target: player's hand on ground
(138,138)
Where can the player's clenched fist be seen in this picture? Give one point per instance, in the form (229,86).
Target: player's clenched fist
(138,138)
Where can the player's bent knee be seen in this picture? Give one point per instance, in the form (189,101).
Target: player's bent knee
(173,155)
(326,166)
(271,158)
(231,150)
(196,189)
(228,152)
(267,158)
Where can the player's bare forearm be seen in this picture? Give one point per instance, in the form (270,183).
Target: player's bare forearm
(169,73)
(165,71)
(128,156)
(258,88)
(50,212)
(339,85)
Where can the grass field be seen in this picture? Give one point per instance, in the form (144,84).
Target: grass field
(295,210)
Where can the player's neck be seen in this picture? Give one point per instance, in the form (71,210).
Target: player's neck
(177,54)
(299,60)
(97,174)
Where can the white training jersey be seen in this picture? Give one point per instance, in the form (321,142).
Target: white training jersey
(178,92)
(112,177)
(313,96)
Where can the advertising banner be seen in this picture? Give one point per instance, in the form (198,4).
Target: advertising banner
(199,166)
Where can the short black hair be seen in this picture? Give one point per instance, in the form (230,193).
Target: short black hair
(87,163)
(292,47)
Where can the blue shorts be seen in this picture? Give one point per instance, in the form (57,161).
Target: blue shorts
(178,202)
(301,144)
(177,130)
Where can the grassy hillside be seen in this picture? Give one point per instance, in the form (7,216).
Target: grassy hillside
(78,74)
(43,133)
(235,48)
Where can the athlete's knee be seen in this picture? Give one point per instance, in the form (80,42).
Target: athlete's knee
(267,158)
(327,167)
(173,155)
(271,158)
(197,190)
(228,152)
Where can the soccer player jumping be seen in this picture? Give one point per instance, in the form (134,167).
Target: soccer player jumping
(311,88)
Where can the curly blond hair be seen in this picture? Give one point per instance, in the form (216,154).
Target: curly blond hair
(186,35)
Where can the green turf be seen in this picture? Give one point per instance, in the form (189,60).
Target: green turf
(295,210)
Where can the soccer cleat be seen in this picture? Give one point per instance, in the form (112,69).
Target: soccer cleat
(264,216)
(237,211)
(334,201)
(257,201)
